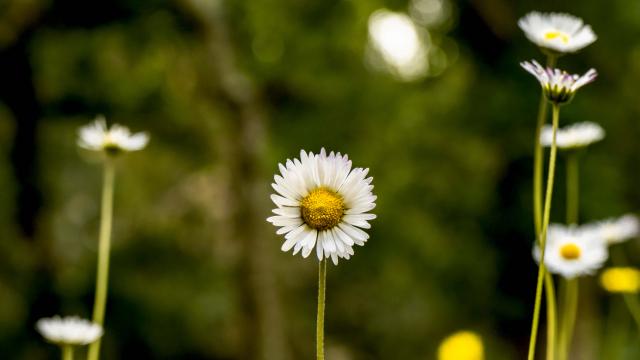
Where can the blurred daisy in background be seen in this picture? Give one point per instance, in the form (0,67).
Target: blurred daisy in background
(621,280)
(98,137)
(574,136)
(400,43)
(615,230)
(462,345)
(558,33)
(572,252)
(558,85)
(323,203)
(69,331)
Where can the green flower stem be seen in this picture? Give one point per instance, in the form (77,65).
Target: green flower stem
(102,276)
(615,334)
(537,166)
(537,217)
(322,284)
(631,300)
(570,288)
(551,315)
(573,188)
(569,311)
(67,352)
(543,233)
(537,156)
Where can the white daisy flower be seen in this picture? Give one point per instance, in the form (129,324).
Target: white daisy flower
(615,230)
(573,136)
(558,85)
(70,330)
(98,137)
(559,33)
(323,203)
(571,252)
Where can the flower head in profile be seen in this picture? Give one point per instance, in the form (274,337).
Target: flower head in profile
(558,85)
(322,203)
(615,230)
(462,345)
(116,139)
(574,136)
(70,330)
(572,252)
(557,33)
(621,280)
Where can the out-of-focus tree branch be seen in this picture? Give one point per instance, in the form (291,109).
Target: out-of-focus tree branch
(263,326)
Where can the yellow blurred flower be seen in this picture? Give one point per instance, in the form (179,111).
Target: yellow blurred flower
(462,345)
(621,280)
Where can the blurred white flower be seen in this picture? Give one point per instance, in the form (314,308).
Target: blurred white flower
(559,33)
(98,137)
(573,136)
(558,85)
(615,230)
(399,43)
(323,203)
(70,330)
(572,252)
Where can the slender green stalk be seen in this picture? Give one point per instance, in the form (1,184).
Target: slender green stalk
(537,157)
(573,188)
(551,315)
(67,352)
(569,311)
(631,300)
(543,233)
(615,334)
(102,276)
(538,165)
(570,293)
(537,217)
(322,284)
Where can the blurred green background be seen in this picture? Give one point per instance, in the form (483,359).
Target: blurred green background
(432,101)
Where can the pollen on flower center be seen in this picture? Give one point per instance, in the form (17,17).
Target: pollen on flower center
(322,209)
(551,35)
(570,251)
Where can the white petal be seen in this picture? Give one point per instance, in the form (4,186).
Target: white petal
(283,201)
(291,212)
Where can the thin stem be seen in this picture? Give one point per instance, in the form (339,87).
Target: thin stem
(615,334)
(631,301)
(569,311)
(322,283)
(102,276)
(543,234)
(573,188)
(537,166)
(537,157)
(537,217)
(633,304)
(570,293)
(551,315)
(67,352)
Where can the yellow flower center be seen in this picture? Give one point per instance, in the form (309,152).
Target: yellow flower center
(552,35)
(110,146)
(621,280)
(322,209)
(570,251)
(463,345)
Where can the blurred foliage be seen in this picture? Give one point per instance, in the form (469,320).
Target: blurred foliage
(450,153)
